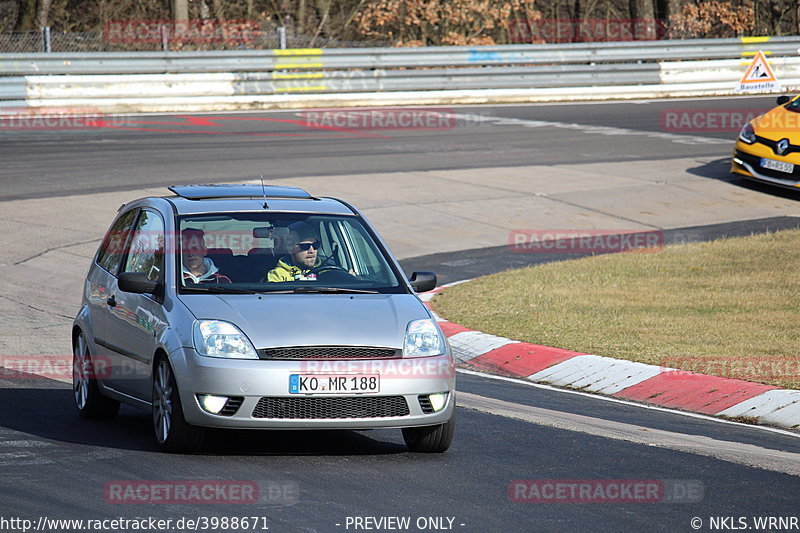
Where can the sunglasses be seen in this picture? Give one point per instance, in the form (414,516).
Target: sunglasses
(304,246)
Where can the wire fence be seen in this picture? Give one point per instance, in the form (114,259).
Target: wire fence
(210,35)
(162,37)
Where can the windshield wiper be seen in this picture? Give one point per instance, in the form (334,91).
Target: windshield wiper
(332,290)
(219,290)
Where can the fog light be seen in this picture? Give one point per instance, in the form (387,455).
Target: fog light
(212,404)
(438,401)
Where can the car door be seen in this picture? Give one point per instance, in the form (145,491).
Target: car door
(136,320)
(100,284)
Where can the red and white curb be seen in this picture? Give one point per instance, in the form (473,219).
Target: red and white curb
(657,385)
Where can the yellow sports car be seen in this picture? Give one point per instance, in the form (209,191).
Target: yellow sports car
(768,147)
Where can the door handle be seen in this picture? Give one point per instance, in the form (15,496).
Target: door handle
(111,301)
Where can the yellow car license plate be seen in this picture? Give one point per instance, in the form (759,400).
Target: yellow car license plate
(780,166)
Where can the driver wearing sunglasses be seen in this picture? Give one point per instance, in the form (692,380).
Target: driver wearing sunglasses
(302,256)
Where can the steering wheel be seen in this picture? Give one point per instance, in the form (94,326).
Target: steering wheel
(333,274)
(328,263)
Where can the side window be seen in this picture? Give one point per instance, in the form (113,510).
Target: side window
(113,246)
(147,246)
(337,248)
(367,257)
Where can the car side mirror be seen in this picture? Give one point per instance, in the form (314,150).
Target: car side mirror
(423,281)
(782,99)
(136,282)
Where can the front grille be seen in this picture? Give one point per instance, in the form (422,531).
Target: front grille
(305,408)
(328,352)
(755,162)
(232,405)
(792,148)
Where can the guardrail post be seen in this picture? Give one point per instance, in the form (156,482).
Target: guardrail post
(46,47)
(282,37)
(164,37)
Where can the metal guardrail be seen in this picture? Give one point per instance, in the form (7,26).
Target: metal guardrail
(110,78)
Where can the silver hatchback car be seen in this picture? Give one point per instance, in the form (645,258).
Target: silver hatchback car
(252,306)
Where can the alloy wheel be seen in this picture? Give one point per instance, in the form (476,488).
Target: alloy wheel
(162,412)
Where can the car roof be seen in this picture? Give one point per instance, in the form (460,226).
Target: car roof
(215,198)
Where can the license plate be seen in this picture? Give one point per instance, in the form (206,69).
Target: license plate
(780,166)
(333,383)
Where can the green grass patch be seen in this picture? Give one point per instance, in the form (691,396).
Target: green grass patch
(728,307)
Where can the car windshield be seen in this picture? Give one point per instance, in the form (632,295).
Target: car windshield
(280,252)
(794,105)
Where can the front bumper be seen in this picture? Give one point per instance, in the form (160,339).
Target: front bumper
(253,380)
(749,165)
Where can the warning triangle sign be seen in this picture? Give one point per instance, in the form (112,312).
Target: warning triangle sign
(758,76)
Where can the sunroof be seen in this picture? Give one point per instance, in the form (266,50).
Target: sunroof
(200,192)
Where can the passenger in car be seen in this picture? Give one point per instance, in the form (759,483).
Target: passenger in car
(302,257)
(197,268)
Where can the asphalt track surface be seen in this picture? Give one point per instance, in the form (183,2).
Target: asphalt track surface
(142,151)
(55,465)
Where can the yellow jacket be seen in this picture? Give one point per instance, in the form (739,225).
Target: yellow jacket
(286,272)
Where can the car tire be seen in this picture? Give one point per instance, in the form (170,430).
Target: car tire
(89,401)
(430,439)
(173,433)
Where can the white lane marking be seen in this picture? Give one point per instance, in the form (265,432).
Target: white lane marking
(733,452)
(15,455)
(24,443)
(22,458)
(27,462)
(52,367)
(589,129)
(637,101)
(611,399)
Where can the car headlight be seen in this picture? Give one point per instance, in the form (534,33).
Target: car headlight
(748,134)
(423,339)
(215,338)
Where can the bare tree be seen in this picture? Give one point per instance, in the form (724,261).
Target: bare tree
(663,9)
(43,14)
(26,15)
(641,14)
(180,9)
(219,10)
(301,16)
(32,14)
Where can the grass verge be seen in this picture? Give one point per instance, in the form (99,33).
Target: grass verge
(728,307)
